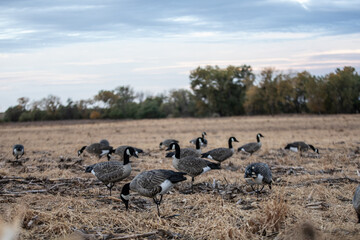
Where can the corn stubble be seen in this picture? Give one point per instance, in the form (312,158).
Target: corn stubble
(47,195)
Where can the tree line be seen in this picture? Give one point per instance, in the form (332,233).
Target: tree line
(215,91)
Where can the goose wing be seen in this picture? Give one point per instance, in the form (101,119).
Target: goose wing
(188,152)
(250,147)
(219,154)
(148,183)
(193,166)
(111,171)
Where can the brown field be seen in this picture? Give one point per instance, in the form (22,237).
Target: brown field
(49,196)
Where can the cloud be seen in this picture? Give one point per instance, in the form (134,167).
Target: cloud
(46,78)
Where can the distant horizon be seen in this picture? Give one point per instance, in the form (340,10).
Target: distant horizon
(148,93)
(73,50)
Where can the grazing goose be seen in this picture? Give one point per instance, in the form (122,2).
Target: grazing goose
(113,171)
(186,152)
(221,154)
(193,166)
(120,150)
(104,142)
(150,184)
(259,174)
(252,147)
(167,142)
(97,149)
(18,151)
(300,147)
(356,202)
(204,141)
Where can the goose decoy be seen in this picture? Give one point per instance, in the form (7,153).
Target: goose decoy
(253,146)
(221,154)
(259,174)
(193,166)
(150,184)
(356,202)
(301,147)
(186,152)
(18,151)
(204,140)
(97,149)
(167,142)
(113,171)
(104,142)
(120,150)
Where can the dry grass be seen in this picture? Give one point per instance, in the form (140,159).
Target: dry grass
(310,198)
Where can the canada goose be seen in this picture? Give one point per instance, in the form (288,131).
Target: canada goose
(356,202)
(185,152)
(120,150)
(97,149)
(18,151)
(253,146)
(300,147)
(258,173)
(193,166)
(221,154)
(104,142)
(167,142)
(150,184)
(204,141)
(113,171)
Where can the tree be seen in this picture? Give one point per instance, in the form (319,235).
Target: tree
(109,98)
(23,102)
(221,91)
(300,82)
(316,94)
(151,108)
(181,103)
(343,91)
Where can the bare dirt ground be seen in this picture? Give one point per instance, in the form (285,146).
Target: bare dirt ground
(48,195)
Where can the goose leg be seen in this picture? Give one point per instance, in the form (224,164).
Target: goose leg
(192,184)
(110,186)
(158,202)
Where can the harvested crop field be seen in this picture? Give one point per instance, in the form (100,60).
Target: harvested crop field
(46,194)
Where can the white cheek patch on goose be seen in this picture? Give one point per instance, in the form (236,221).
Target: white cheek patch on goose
(128,152)
(93,172)
(209,157)
(126,197)
(165,186)
(243,150)
(294,149)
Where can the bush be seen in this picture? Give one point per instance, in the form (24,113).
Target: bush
(95,115)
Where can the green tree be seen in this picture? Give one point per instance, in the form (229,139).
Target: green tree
(300,81)
(343,91)
(221,91)
(151,108)
(181,103)
(316,94)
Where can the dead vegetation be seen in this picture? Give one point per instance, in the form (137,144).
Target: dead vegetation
(47,195)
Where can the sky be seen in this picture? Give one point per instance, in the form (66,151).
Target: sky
(74,49)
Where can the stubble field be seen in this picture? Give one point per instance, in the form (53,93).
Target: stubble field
(47,194)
